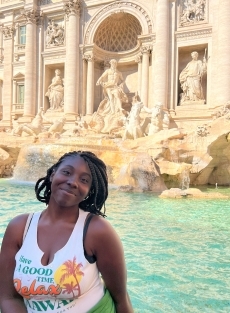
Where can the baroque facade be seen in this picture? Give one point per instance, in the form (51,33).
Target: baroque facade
(173,52)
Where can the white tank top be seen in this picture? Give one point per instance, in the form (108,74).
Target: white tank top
(68,284)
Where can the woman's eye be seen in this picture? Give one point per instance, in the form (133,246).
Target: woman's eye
(84,180)
(66,172)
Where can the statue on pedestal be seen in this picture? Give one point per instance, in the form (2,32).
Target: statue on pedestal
(191,80)
(112,90)
(110,113)
(55,92)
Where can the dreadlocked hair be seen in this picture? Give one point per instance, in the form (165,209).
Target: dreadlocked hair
(99,189)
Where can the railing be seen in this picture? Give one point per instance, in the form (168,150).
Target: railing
(20,47)
(18,107)
(17,110)
(6,1)
(44,2)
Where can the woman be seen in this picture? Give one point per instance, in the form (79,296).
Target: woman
(56,267)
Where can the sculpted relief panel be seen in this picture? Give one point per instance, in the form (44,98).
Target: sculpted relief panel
(192,12)
(55,34)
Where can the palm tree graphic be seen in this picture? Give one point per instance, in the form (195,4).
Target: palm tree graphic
(70,288)
(72,268)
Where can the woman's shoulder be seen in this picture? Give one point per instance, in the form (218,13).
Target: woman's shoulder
(99,226)
(17,224)
(19,219)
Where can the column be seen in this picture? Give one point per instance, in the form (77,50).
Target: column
(138,60)
(40,45)
(145,75)
(222,89)
(72,11)
(90,86)
(151,93)
(172,56)
(1,46)
(84,85)
(7,77)
(30,67)
(161,52)
(0,93)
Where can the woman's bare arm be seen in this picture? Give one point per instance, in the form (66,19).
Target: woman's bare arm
(104,243)
(10,300)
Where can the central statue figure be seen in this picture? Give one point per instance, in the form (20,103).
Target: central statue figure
(112,82)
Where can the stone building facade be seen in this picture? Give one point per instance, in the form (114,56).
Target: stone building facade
(67,45)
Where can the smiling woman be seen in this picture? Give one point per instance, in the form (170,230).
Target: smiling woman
(65,246)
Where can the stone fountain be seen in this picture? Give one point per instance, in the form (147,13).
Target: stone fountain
(142,146)
(144,161)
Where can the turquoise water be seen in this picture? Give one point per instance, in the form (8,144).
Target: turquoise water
(177,251)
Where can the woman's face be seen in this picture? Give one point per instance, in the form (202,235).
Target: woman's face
(71,182)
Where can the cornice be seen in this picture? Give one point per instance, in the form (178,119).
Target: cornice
(193,34)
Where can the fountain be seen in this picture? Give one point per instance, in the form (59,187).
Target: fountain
(169,158)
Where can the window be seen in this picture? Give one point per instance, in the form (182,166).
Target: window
(20,94)
(22,35)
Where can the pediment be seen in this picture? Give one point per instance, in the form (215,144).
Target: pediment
(19,76)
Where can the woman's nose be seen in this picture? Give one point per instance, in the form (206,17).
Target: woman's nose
(72,182)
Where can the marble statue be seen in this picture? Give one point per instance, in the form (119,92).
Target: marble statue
(80,127)
(110,113)
(32,129)
(57,126)
(191,80)
(133,129)
(54,34)
(112,82)
(55,92)
(159,119)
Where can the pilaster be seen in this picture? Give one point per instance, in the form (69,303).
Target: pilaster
(161,52)
(8,32)
(222,89)
(32,17)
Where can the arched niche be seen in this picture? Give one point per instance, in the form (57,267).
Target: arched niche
(131,8)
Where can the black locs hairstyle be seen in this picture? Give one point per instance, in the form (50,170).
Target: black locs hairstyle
(98,191)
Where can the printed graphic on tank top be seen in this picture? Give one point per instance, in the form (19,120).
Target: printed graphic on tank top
(68,284)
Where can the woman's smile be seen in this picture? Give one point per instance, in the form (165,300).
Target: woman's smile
(69,191)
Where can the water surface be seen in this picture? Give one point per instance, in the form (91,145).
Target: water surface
(177,251)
